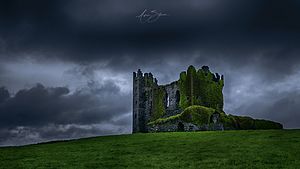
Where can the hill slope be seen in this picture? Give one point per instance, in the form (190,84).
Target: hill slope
(227,149)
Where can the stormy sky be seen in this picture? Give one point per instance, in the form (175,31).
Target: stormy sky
(66,66)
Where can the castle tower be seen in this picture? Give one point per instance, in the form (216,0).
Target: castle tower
(142,100)
(138,110)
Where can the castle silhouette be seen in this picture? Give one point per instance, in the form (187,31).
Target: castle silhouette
(192,103)
(152,101)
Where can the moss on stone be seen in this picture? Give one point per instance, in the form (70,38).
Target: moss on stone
(158,103)
(148,82)
(228,121)
(244,122)
(198,115)
(183,103)
(165,120)
(200,96)
(247,123)
(200,88)
(266,124)
(191,86)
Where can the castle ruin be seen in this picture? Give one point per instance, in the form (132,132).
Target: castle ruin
(192,103)
(194,87)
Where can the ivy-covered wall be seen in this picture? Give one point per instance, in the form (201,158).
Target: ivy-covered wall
(194,114)
(200,115)
(196,88)
(201,88)
(200,100)
(148,80)
(158,104)
(247,123)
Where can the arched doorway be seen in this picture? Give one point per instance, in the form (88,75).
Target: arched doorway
(180,127)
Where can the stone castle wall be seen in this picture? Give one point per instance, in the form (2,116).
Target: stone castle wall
(152,101)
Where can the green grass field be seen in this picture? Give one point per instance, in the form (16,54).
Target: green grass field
(270,149)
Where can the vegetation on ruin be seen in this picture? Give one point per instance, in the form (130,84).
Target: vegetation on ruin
(266,124)
(209,149)
(228,121)
(158,104)
(148,81)
(200,115)
(183,102)
(194,114)
(200,96)
(166,120)
(200,88)
(247,123)
(196,88)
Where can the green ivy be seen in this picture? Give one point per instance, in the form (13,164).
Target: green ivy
(199,88)
(165,120)
(228,121)
(194,114)
(200,97)
(266,124)
(247,123)
(148,81)
(200,115)
(158,104)
(183,102)
(197,115)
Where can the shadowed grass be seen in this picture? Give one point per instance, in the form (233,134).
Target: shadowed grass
(212,149)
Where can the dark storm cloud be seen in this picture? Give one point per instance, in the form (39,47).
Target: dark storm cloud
(39,105)
(286,109)
(90,31)
(262,33)
(46,108)
(4,94)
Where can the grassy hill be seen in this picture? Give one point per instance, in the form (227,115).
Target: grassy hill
(213,149)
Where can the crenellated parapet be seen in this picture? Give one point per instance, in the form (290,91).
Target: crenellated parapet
(146,78)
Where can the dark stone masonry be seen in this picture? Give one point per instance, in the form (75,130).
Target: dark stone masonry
(192,103)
